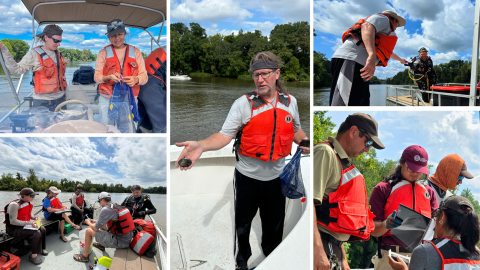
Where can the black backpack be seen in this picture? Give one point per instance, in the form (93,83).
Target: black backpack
(84,75)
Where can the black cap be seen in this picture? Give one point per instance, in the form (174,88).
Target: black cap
(366,123)
(51,30)
(114,27)
(27,191)
(457,203)
(135,187)
(423,49)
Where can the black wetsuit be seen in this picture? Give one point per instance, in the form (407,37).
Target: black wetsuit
(141,203)
(422,71)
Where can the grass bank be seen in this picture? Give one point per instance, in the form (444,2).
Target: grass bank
(200,74)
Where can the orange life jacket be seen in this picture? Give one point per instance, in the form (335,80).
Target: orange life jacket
(50,77)
(269,134)
(452,257)
(112,66)
(24,211)
(124,224)
(384,44)
(146,226)
(155,62)
(410,194)
(141,241)
(346,210)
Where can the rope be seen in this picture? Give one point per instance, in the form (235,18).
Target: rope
(409,75)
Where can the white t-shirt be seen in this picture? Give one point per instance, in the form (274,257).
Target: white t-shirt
(237,118)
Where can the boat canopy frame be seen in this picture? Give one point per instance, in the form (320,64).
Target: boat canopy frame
(475,48)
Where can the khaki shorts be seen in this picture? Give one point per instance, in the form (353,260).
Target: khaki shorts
(108,240)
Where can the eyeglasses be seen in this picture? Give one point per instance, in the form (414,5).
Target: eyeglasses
(369,141)
(55,40)
(114,25)
(460,178)
(264,75)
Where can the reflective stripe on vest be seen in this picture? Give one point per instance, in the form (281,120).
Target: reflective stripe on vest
(141,242)
(349,174)
(123,212)
(452,256)
(131,51)
(42,53)
(109,50)
(24,210)
(24,204)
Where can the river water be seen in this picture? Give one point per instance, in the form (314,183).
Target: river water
(198,107)
(158,200)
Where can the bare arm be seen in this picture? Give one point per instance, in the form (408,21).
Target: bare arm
(398,58)
(320,260)
(379,228)
(193,150)
(368,37)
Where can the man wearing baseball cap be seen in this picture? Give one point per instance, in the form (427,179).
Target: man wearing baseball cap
(335,177)
(109,229)
(368,43)
(18,214)
(401,186)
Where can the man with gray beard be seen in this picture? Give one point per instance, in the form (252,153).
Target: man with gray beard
(264,123)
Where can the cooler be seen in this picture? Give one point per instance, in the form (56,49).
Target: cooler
(67,228)
(451,100)
(9,261)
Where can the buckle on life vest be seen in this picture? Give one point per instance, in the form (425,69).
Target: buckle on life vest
(258,154)
(362,230)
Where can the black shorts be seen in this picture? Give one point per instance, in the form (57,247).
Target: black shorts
(348,87)
(54,216)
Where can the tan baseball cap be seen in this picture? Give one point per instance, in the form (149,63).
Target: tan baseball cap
(366,123)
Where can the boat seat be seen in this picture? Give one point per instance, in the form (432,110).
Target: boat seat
(127,259)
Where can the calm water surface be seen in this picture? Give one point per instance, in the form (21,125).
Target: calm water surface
(198,107)
(159,200)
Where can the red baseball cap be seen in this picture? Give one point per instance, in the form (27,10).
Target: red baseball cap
(416,158)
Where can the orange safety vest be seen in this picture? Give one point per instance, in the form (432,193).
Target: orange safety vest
(155,62)
(452,257)
(79,200)
(50,77)
(384,44)
(410,194)
(346,210)
(112,66)
(141,241)
(269,134)
(24,211)
(124,224)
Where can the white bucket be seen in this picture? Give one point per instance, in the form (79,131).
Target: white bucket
(81,236)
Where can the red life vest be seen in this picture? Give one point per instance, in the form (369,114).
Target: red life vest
(24,211)
(346,210)
(452,257)
(146,226)
(112,66)
(124,224)
(403,193)
(384,44)
(79,200)
(50,78)
(141,241)
(269,134)
(55,203)
(155,62)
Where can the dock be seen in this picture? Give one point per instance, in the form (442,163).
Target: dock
(406,101)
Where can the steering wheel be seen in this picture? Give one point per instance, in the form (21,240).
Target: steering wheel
(75,115)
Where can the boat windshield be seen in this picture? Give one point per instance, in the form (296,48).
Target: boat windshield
(79,113)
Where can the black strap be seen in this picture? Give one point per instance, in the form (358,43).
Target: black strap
(379,247)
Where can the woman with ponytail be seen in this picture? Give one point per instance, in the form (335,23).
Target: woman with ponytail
(458,232)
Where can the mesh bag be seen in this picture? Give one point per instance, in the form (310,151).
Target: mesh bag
(122,95)
(292,182)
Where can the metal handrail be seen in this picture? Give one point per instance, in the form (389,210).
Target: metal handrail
(416,92)
(161,241)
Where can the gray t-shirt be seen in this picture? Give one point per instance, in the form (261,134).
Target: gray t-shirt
(107,214)
(349,49)
(237,118)
(425,257)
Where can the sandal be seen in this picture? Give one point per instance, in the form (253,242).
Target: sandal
(76,227)
(99,246)
(80,258)
(35,260)
(44,252)
(64,239)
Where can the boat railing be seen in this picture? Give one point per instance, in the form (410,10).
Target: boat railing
(161,244)
(415,93)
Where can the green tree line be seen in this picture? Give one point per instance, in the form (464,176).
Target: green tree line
(17,182)
(192,51)
(374,171)
(78,55)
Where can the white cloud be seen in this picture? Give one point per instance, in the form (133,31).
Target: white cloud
(282,9)
(264,27)
(420,9)
(209,10)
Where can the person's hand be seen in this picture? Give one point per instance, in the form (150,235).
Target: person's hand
(345,265)
(403,61)
(87,221)
(81,210)
(115,77)
(193,150)
(306,150)
(392,221)
(131,80)
(141,213)
(368,70)
(321,263)
(397,265)
(34,224)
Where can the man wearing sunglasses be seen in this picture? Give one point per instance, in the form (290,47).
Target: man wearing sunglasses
(368,43)
(48,67)
(336,181)
(19,214)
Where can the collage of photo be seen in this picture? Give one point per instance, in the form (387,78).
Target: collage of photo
(242,152)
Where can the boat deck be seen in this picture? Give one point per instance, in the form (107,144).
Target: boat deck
(406,101)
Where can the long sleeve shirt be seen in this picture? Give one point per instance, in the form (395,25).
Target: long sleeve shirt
(12,211)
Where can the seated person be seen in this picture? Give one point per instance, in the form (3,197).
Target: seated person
(138,203)
(52,204)
(18,213)
(118,231)
(79,209)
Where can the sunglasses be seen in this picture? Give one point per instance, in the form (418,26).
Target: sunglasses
(369,141)
(114,25)
(32,196)
(55,40)
(460,178)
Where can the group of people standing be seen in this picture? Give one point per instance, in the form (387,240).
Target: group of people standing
(343,213)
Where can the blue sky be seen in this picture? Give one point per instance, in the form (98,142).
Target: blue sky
(444,27)
(227,16)
(110,160)
(16,23)
(440,132)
